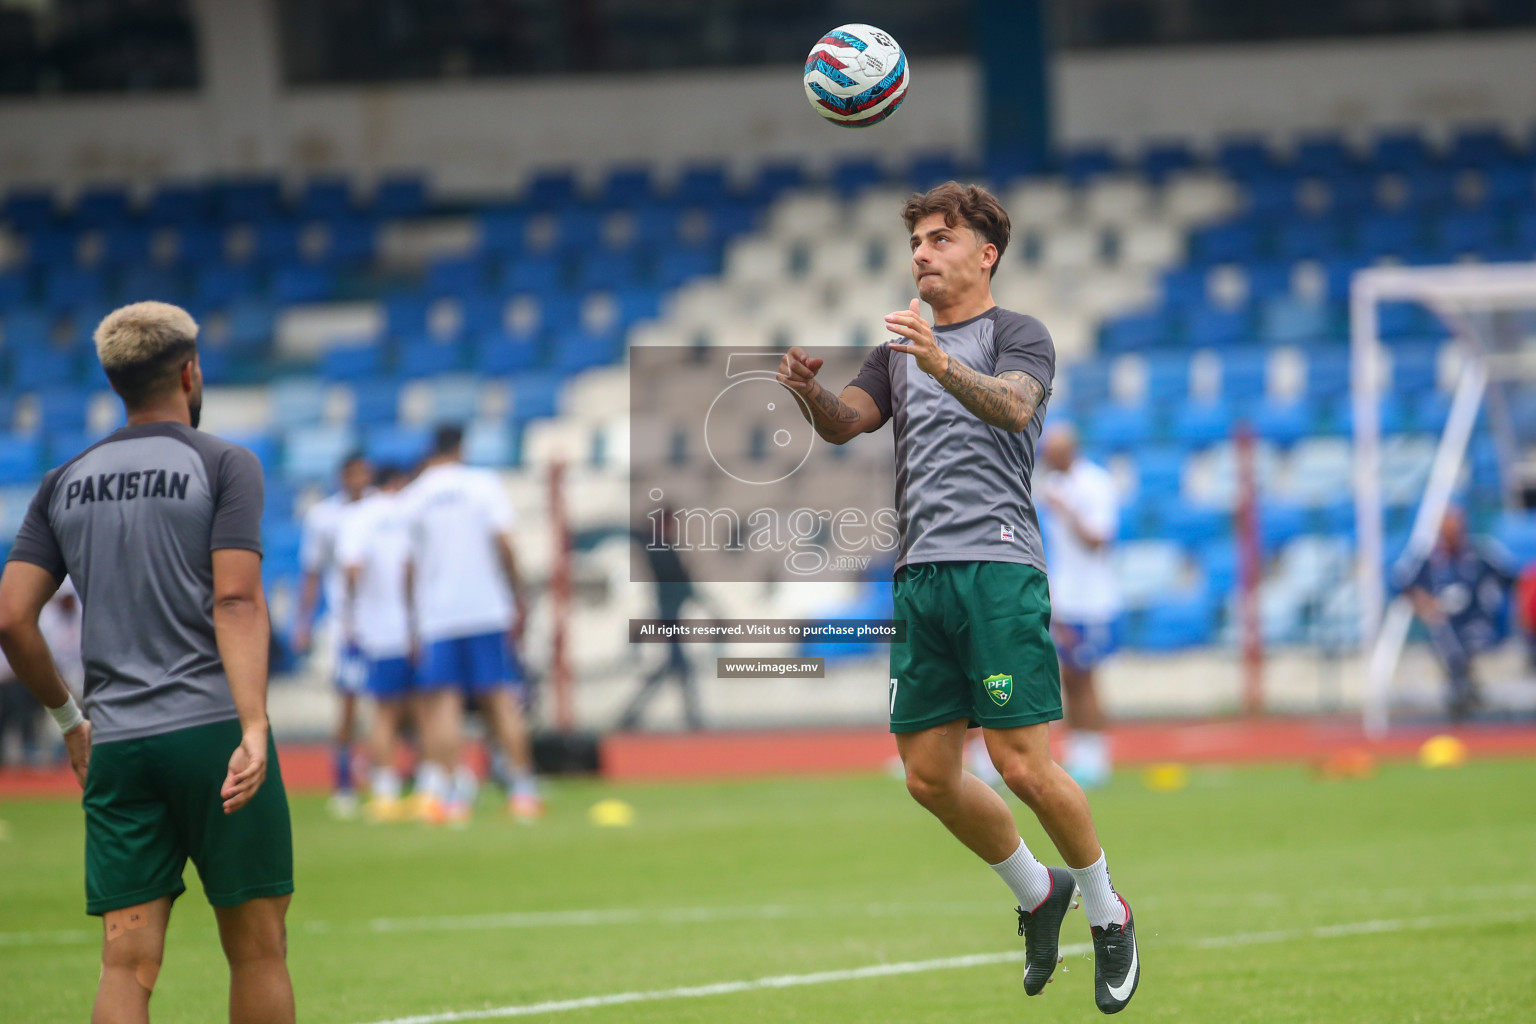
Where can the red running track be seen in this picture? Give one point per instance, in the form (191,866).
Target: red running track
(725,755)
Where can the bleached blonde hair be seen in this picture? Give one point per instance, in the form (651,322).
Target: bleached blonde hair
(143,333)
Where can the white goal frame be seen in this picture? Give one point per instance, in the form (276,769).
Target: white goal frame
(1455,293)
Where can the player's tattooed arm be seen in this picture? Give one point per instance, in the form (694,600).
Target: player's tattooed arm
(1008,400)
(833,418)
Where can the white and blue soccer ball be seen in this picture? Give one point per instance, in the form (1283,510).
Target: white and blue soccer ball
(856,76)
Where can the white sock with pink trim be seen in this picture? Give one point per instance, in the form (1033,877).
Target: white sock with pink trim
(1026,876)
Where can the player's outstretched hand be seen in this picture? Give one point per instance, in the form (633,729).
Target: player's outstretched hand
(247,770)
(77,743)
(909,323)
(797,370)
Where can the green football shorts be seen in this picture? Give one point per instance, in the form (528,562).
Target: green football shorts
(153,802)
(978,647)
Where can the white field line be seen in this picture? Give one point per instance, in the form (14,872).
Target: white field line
(944,964)
(948,963)
(768,912)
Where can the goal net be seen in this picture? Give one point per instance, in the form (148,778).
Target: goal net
(1490,312)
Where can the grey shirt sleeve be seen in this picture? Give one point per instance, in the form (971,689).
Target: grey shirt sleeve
(1023,343)
(874,379)
(36,541)
(239,492)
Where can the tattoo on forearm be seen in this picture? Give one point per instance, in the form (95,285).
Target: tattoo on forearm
(1008,400)
(829,414)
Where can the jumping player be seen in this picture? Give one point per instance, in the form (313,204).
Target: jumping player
(469,604)
(159,527)
(322,573)
(968,398)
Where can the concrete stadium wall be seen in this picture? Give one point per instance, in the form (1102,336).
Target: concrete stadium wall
(482,137)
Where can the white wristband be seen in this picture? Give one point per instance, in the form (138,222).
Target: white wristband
(67,716)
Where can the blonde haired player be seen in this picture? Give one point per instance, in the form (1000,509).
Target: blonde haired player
(159,526)
(967,395)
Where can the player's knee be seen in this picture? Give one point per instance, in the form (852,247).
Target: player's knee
(930,788)
(1025,779)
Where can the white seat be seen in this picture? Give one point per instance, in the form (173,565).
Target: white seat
(1320,470)
(1116,200)
(1070,248)
(1041,202)
(756,259)
(1151,244)
(806,216)
(877,211)
(838,259)
(1198,197)
(1148,570)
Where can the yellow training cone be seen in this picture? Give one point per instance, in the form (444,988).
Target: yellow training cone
(1443,752)
(611,813)
(1165,778)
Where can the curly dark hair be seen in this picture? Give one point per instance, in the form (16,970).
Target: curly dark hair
(971,204)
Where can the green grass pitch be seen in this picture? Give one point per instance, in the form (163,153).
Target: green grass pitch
(1261,894)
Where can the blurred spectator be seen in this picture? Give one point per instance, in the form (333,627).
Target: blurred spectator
(1458,591)
(674,589)
(19,712)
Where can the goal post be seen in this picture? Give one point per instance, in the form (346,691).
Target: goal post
(1468,299)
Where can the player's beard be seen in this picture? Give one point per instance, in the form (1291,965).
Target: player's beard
(195,407)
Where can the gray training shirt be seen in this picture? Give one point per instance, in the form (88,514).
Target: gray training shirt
(134,521)
(962,485)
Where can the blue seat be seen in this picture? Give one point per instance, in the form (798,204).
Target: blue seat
(276,242)
(395,445)
(1213,327)
(481,315)
(599,269)
(1517,532)
(297,401)
(655,225)
(626,186)
(1219,566)
(505,353)
(198,245)
(350,241)
(1184,287)
(453,398)
(219,284)
(732,219)
(1305,238)
(1397,320)
(41,367)
(1279,524)
(351,361)
(65,445)
(1168,375)
(1321,155)
(637,304)
(313,453)
(581,228)
(1430,186)
(125,244)
(61,409)
(174,203)
(1288,320)
(13,290)
(488,443)
(535,395)
(1235,242)
(69,287)
(423,357)
(400,196)
(1199,424)
(1478,146)
(1178,624)
(930,169)
(1415,370)
(1194,525)
(1088,382)
(1080,163)
(503,232)
(406,315)
(29,209)
(102,205)
(27,328)
(1118,427)
(854,174)
(1160,158)
(1506,184)
(1351,195)
(142,282)
(21,457)
(581,350)
(551,189)
(296,283)
(250,199)
(772,179)
(1400,150)
(1271,196)
(681,264)
(1327,373)
(1244,375)
(702,184)
(326,198)
(375,400)
(252,326)
(1134,332)
(532,274)
(1284,423)
(1159,473)
(1386,234)
(1468,231)
(456,275)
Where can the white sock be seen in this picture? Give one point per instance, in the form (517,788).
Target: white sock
(466,785)
(432,780)
(385,784)
(1100,902)
(524,784)
(1026,876)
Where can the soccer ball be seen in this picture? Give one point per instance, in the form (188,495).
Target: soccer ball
(856,76)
